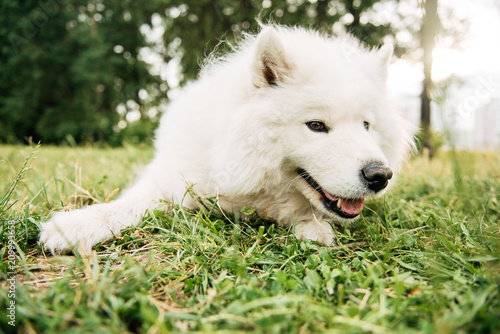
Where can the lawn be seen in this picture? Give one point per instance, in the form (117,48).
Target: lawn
(423,259)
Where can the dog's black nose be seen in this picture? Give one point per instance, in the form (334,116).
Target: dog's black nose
(377,176)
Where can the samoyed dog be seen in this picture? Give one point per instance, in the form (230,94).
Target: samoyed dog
(293,123)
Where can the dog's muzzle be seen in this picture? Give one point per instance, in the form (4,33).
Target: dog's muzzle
(347,208)
(374,175)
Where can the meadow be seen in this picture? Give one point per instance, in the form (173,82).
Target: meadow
(423,259)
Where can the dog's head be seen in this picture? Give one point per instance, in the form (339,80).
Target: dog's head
(334,130)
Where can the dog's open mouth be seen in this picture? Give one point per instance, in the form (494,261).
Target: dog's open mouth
(344,207)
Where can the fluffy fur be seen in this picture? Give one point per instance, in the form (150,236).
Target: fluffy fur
(242,133)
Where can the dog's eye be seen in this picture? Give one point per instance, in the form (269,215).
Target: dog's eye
(366,125)
(317,126)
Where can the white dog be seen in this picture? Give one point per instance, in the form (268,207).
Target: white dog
(294,124)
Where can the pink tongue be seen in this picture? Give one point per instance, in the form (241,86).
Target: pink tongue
(352,206)
(349,206)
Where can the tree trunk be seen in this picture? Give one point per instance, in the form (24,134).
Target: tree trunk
(430,26)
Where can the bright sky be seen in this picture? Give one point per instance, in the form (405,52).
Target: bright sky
(481,51)
(480,48)
(477,62)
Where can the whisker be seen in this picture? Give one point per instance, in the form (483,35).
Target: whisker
(287,187)
(301,178)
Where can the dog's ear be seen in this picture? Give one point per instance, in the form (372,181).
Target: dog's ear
(384,55)
(271,65)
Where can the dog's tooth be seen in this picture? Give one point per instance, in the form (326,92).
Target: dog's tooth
(339,204)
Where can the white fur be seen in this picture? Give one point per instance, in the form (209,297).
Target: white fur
(239,134)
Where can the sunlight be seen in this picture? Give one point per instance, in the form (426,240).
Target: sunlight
(449,62)
(479,50)
(474,58)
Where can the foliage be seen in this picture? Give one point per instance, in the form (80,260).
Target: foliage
(194,28)
(62,72)
(424,259)
(67,65)
(436,141)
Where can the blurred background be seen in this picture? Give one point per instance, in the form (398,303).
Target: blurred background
(102,72)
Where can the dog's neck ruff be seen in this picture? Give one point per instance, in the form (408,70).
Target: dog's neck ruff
(343,207)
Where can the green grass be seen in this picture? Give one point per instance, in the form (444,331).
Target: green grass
(425,259)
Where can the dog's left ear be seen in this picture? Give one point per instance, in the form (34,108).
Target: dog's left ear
(271,65)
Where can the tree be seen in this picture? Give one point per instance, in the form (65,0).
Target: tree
(66,65)
(430,25)
(194,28)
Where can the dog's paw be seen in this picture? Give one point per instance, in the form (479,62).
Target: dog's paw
(52,237)
(80,229)
(315,231)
